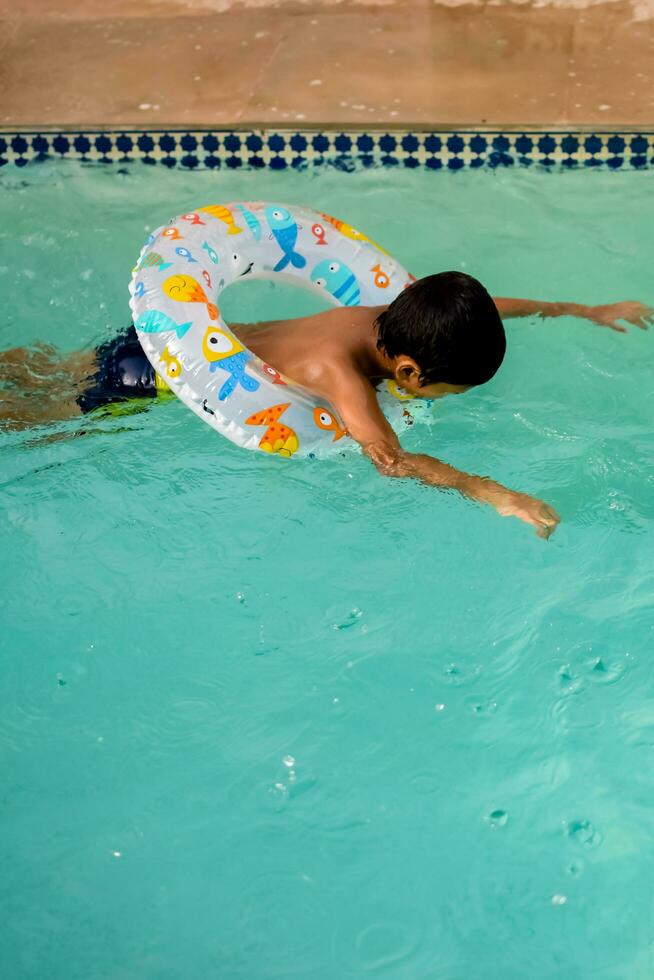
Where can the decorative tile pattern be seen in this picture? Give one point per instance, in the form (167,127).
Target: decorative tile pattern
(278,150)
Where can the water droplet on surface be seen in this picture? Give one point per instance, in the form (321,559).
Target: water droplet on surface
(485,708)
(559,899)
(583,833)
(352,619)
(460,674)
(602,672)
(288,761)
(497,818)
(117,854)
(569,680)
(439,707)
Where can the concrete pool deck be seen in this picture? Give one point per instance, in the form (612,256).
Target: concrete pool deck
(374,63)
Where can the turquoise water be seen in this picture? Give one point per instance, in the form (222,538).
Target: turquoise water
(262,720)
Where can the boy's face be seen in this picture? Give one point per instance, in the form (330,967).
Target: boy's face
(439,390)
(407,376)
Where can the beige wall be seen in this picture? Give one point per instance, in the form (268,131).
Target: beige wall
(355,62)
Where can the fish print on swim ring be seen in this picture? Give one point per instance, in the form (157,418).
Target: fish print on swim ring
(175,304)
(284,230)
(339,280)
(223,351)
(186,289)
(278,438)
(328,422)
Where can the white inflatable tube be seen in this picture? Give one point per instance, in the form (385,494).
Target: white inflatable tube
(174,296)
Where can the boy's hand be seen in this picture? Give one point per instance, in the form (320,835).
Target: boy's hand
(631,312)
(529,509)
(607,315)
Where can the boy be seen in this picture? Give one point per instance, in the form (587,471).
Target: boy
(441,336)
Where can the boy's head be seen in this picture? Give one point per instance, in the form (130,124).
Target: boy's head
(442,334)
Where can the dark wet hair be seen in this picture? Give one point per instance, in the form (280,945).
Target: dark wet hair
(449,325)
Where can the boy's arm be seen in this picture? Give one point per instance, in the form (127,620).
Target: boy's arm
(356,401)
(608,315)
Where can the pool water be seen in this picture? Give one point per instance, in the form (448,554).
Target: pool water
(263,719)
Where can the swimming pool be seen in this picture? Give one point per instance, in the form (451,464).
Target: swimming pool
(265,720)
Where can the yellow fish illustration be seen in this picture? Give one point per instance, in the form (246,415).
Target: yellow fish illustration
(351,232)
(225,215)
(217,345)
(186,289)
(172,364)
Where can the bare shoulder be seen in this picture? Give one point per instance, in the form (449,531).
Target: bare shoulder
(328,369)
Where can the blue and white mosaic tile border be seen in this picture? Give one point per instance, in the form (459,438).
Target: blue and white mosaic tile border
(278,150)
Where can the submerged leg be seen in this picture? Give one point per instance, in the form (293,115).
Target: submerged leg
(38,386)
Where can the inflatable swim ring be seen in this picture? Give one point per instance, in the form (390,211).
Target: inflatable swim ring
(174,293)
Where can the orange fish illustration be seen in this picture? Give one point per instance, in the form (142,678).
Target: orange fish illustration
(351,232)
(194,218)
(186,289)
(382,278)
(225,215)
(318,232)
(325,420)
(171,233)
(273,375)
(278,438)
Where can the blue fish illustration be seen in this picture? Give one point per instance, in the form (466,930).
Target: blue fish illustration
(223,351)
(211,252)
(236,366)
(339,280)
(253,222)
(284,228)
(152,321)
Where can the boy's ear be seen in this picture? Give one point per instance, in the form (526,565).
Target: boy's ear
(407,371)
